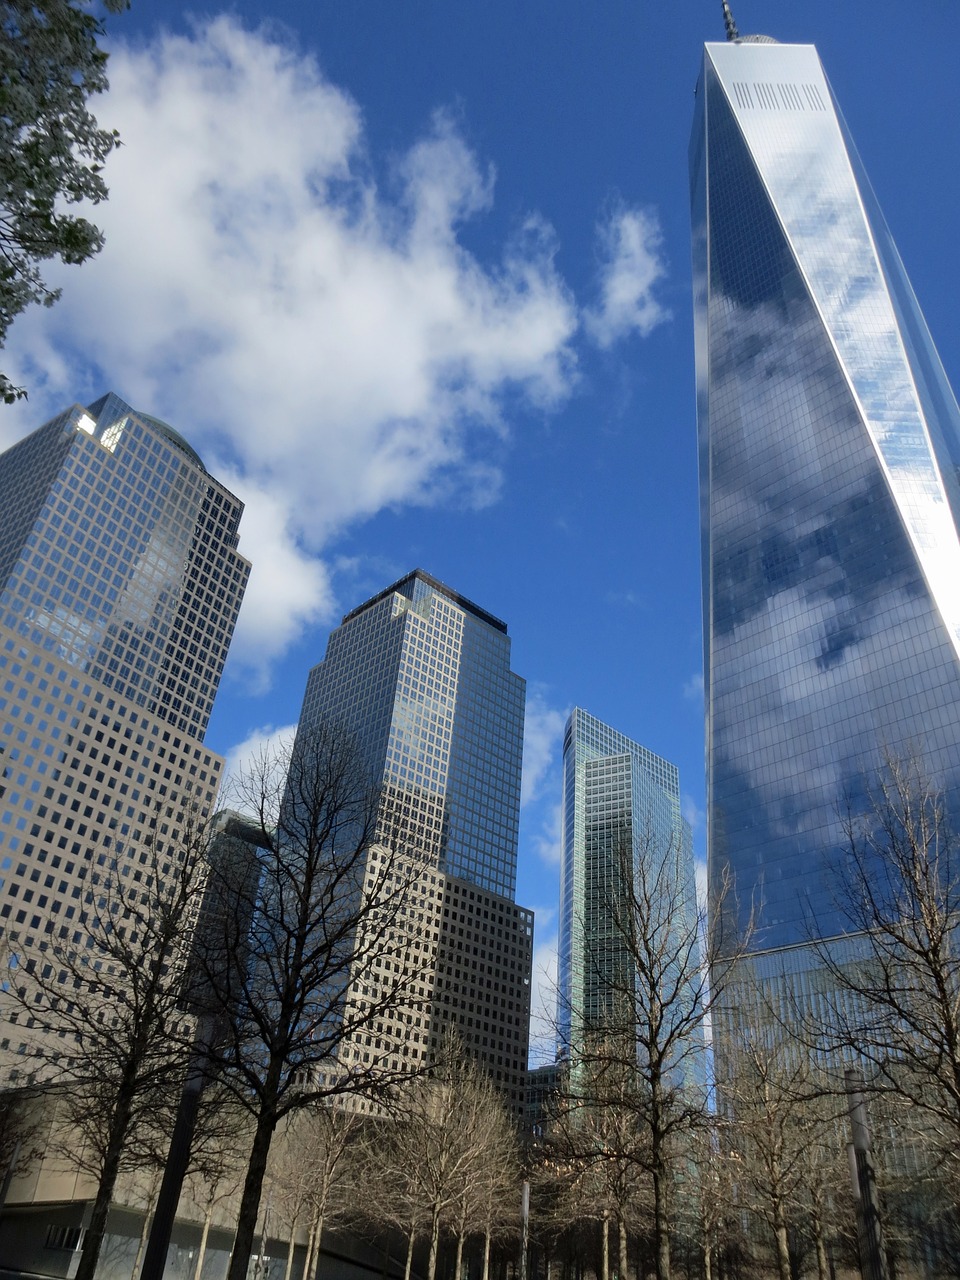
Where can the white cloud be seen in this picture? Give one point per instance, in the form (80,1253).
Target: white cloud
(631,266)
(264,743)
(543,1001)
(330,348)
(288,588)
(542,737)
(548,842)
(692,812)
(700,872)
(693,688)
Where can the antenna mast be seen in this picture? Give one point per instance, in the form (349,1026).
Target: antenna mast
(728,22)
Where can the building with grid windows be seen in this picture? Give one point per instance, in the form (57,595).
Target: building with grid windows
(120,583)
(830,455)
(421,677)
(624,842)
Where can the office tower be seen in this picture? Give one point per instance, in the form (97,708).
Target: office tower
(623,840)
(120,583)
(421,678)
(829,446)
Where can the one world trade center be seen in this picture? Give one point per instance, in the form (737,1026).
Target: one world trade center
(830,503)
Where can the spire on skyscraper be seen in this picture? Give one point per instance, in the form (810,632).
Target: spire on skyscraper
(728,22)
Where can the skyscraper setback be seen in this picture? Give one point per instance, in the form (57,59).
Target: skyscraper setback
(420,676)
(120,583)
(830,448)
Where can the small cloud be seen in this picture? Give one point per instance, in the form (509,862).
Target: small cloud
(700,872)
(543,1002)
(266,742)
(549,840)
(693,688)
(542,735)
(692,812)
(545,917)
(628,597)
(631,245)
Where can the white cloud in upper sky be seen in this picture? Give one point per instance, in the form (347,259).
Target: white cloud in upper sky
(542,738)
(325,341)
(631,266)
(264,743)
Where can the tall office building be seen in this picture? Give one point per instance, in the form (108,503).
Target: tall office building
(830,448)
(120,583)
(421,677)
(621,818)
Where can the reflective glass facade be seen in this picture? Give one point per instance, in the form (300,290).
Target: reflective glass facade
(421,677)
(829,446)
(616,794)
(120,583)
(118,555)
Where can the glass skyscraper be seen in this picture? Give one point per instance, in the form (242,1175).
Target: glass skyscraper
(420,676)
(620,816)
(120,583)
(829,456)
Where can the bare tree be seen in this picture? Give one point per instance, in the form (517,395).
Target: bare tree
(216,1165)
(447,1160)
(711,1218)
(893,998)
(314,1174)
(329,952)
(649,952)
(101,1008)
(598,1152)
(786,1137)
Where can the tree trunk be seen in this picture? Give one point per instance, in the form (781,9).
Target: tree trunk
(823,1265)
(308,1256)
(291,1247)
(144,1232)
(622,1261)
(313,1247)
(661,1225)
(410,1243)
(93,1240)
(202,1251)
(782,1243)
(486,1254)
(605,1272)
(708,1255)
(458,1265)
(250,1200)
(434,1242)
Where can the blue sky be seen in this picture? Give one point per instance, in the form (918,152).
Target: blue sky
(413,277)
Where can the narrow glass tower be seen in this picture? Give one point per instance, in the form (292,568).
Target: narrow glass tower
(621,819)
(829,456)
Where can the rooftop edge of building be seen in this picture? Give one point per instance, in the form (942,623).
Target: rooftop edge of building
(165,429)
(406,582)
